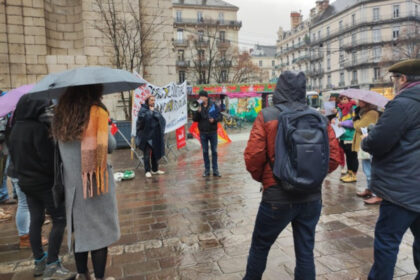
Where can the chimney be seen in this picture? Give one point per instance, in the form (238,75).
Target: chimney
(322,5)
(313,12)
(295,19)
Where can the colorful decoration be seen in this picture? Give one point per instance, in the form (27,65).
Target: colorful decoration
(234,88)
(245,108)
(222,136)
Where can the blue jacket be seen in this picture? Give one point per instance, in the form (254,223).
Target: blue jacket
(395,146)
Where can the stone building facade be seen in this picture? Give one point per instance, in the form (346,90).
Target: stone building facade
(38,37)
(265,58)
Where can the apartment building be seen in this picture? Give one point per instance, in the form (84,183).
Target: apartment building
(265,58)
(353,42)
(293,45)
(205,39)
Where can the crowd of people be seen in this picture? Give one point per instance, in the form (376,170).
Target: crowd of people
(390,154)
(290,150)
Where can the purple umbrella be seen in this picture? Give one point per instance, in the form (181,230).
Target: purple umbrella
(10,99)
(367,96)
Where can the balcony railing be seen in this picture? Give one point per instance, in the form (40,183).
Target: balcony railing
(183,63)
(223,44)
(224,63)
(341,84)
(317,56)
(181,43)
(209,22)
(201,62)
(354,82)
(367,23)
(201,43)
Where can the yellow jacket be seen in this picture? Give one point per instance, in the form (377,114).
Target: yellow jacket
(370,117)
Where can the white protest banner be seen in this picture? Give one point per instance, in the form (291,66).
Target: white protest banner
(171,102)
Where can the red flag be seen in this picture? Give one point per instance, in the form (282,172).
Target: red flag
(114,129)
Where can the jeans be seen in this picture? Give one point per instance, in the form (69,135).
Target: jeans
(270,222)
(392,223)
(366,165)
(4,192)
(205,138)
(23,219)
(38,203)
(98,262)
(351,157)
(148,154)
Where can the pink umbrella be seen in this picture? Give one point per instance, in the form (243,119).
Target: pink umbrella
(11,98)
(367,96)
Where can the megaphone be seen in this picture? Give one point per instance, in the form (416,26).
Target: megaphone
(194,105)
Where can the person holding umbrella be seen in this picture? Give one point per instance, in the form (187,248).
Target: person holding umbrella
(151,132)
(80,126)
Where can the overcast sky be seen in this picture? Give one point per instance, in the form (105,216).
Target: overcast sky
(262,18)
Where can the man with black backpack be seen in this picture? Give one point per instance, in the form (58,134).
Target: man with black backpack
(290,151)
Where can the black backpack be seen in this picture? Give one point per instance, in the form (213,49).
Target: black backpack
(301,149)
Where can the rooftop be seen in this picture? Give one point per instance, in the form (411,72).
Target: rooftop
(334,9)
(207,3)
(267,51)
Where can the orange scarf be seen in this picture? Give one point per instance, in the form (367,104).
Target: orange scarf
(94,153)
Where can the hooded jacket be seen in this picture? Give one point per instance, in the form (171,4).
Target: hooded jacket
(394,144)
(291,91)
(31,146)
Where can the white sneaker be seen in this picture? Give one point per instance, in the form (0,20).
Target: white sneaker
(159,172)
(148,175)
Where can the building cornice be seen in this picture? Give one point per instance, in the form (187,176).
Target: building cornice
(206,7)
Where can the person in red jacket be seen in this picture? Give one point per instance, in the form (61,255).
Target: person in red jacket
(278,207)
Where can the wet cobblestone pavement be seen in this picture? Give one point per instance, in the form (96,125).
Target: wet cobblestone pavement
(183,226)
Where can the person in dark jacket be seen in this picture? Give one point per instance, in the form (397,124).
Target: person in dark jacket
(32,153)
(394,144)
(151,132)
(207,116)
(278,207)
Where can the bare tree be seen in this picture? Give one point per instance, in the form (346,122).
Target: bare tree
(408,43)
(244,70)
(211,54)
(130,36)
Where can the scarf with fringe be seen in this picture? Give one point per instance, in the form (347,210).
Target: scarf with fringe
(94,153)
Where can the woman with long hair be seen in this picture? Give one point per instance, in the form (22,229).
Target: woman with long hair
(366,114)
(150,132)
(81,126)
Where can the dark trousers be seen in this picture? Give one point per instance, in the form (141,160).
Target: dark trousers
(98,262)
(205,138)
(38,203)
(392,223)
(271,220)
(351,157)
(149,155)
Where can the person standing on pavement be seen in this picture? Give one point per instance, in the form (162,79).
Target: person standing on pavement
(207,116)
(280,207)
(80,126)
(366,115)
(150,131)
(32,154)
(346,113)
(394,144)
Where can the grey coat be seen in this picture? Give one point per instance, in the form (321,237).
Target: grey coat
(94,221)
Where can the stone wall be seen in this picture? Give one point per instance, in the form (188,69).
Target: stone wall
(38,37)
